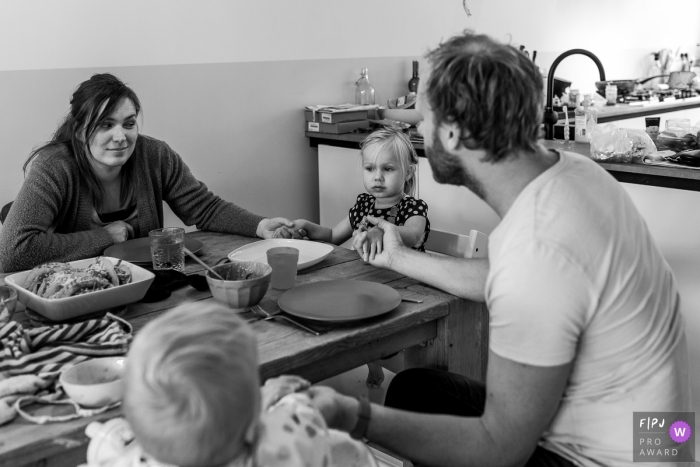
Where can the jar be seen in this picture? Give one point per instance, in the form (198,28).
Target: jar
(611,93)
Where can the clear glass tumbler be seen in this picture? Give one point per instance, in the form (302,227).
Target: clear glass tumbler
(8,302)
(167,248)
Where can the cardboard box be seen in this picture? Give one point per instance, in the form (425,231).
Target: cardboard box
(336,128)
(335,117)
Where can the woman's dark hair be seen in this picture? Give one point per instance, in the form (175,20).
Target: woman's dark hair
(493,92)
(79,126)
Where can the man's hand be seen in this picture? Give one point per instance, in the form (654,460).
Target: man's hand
(276,227)
(339,411)
(275,389)
(390,243)
(120,231)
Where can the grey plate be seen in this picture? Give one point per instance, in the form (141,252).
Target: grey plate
(339,300)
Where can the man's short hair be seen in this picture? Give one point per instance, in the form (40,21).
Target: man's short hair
(191,387)
(493,92)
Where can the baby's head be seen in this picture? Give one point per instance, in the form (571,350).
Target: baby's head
(192,391)
(393,143)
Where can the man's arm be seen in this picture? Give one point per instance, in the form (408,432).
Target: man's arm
(521,402)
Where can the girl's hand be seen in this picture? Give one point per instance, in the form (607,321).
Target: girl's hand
(368,243)
(276,227)
(120,231)
(304,228)
(391,242)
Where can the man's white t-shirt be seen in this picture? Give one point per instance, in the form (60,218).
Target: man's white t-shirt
(575,276)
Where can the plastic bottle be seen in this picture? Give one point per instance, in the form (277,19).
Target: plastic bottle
(413,82)
(580,133)
(364,92)
(611,93)
(573,98)
(591,115)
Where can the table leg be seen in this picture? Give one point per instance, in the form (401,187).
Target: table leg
(461,345)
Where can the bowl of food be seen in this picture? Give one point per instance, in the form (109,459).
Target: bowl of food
(95,383)
(60,291)
(244,284)
(410,116)
(671,140)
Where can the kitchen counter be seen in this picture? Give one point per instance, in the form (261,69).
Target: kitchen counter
(667,177)
(611,113)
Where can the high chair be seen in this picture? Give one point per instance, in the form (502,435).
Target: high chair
(474,245)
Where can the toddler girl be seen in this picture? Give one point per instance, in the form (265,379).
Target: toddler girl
(389,164)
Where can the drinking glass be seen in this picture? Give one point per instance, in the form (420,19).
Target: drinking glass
(284,261)
(167,248)
(8,302)
(677,123)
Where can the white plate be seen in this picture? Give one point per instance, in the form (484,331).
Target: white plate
(59,309)
(310,252)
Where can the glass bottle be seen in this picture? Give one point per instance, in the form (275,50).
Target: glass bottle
(364,92)
(413,82)
(591,115)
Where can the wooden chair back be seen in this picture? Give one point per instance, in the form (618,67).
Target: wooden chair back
(474,245)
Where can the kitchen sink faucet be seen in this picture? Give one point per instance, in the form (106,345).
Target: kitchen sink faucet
(550,115)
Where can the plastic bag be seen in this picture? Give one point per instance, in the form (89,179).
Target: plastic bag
(612,144)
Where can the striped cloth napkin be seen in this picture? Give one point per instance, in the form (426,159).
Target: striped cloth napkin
(31,358)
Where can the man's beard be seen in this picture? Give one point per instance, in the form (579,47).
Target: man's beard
(448,169)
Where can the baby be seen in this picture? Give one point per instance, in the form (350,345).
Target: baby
(193,399)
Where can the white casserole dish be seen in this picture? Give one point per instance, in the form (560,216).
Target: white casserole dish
(59,309)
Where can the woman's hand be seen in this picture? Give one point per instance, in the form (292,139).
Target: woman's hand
(275,389)
(390,243)
(339,411)
(120,231)
(276,227)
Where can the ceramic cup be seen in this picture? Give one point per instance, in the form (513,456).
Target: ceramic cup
(284,261)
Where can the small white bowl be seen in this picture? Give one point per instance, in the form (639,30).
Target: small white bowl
(95,383)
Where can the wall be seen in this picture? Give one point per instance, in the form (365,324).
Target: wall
(224,81)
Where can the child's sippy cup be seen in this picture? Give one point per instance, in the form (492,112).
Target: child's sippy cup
(108,441)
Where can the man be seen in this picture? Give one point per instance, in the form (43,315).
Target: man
(585,326)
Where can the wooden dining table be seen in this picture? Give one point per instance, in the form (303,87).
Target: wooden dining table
(443,332)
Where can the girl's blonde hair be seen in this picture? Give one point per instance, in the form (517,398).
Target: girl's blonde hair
(394,140)
(192,386)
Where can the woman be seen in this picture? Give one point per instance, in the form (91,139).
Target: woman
(98,182)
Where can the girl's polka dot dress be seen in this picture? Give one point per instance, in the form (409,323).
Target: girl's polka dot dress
(397,214)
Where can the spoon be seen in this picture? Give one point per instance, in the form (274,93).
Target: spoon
(202,263)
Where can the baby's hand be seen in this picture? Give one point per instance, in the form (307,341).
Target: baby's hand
(368,243)
(276,388)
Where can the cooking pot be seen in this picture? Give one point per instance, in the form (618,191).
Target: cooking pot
(624,86)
